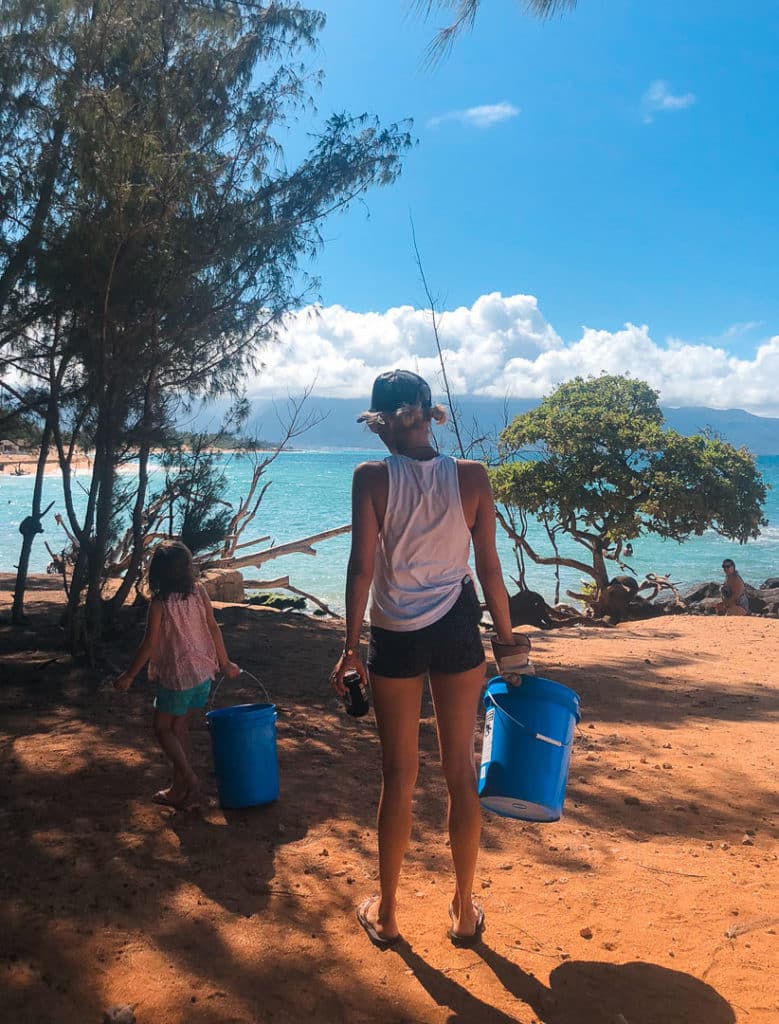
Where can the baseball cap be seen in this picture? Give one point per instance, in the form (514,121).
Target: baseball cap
(396,388)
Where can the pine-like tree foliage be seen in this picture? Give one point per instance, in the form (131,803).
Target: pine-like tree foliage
(464,17)
(148,212)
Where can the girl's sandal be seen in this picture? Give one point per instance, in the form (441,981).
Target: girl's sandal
(163,798)
(192,800)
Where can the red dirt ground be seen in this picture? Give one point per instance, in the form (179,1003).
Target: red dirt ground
(653,901)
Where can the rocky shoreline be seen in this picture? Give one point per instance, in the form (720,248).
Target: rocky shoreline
(702,599)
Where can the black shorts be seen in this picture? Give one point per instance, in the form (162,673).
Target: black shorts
(453,644)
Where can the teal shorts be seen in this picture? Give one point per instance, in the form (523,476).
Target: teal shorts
(178,702)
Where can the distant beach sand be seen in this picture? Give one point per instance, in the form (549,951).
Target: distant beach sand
(10,463)
(651,902)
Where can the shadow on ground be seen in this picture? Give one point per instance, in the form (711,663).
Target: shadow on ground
(88,862)
(579,992)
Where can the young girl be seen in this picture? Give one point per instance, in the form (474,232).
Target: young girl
(184,648)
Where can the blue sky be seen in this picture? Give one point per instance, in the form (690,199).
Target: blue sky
(625,171)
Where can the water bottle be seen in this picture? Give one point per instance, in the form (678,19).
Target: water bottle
(356,697)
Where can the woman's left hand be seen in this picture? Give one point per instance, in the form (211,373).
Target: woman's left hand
(347,663)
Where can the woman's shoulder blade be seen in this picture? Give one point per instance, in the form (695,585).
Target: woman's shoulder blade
(368,469)
(471,470)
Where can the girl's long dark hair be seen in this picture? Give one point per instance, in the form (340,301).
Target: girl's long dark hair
(172,570)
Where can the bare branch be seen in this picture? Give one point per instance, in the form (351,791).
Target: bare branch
(571,563)
(431,303)
(303,547)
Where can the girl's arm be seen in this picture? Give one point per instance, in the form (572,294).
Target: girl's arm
(359,573)
(488,567)
(146,650)
(230,669)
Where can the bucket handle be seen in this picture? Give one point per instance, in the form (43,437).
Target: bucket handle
(222,678)
(534,735)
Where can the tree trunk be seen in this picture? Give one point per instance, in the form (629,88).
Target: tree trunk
(99,542)
(139,534)
(33,522)
(600,603)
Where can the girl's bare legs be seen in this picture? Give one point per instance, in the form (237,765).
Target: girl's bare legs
(397,704)
(172,735)
(181,730)
(456,700)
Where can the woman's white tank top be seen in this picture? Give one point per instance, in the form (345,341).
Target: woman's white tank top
(424,544)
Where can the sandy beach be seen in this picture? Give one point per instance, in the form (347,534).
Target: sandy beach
(24,464)
(653,900)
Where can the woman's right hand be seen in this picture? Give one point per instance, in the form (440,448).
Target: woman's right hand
(347,663)
(513,657)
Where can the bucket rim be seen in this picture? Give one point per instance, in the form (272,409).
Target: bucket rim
(258,708)
(551,689)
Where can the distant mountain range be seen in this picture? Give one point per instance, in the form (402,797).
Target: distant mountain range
(337,427)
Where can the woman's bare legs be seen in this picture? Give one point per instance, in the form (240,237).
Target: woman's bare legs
(456,700)
(397,704)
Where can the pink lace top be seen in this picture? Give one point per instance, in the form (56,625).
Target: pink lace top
(185,655)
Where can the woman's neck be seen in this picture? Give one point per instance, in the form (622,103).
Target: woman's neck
(414,449)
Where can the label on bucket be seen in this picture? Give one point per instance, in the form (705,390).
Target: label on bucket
(486,747)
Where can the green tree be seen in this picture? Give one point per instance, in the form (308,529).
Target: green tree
(595,461)
(465,12)
(171,243)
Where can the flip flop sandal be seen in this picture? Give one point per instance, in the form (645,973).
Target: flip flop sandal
(193,800)
(381,941)
(161,797)
(466,941)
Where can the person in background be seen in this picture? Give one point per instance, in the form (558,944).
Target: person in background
(414,518)
(184,648)
(735,600)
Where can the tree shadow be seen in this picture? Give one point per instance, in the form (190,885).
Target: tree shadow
(92,862)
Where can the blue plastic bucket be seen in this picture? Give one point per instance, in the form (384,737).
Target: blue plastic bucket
(243,741)
(528,734)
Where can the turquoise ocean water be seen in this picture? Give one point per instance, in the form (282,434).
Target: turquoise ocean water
(310,492)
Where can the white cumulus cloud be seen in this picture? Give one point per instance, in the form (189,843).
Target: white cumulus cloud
(659,97)
(479,117)
(502,346)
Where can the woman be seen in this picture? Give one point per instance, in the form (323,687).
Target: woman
(735,600)
(414,516)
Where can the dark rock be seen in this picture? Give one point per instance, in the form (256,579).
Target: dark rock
(700,591)
(527,608)
(618,602)
(772,583)
(764,600)
(629,582)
